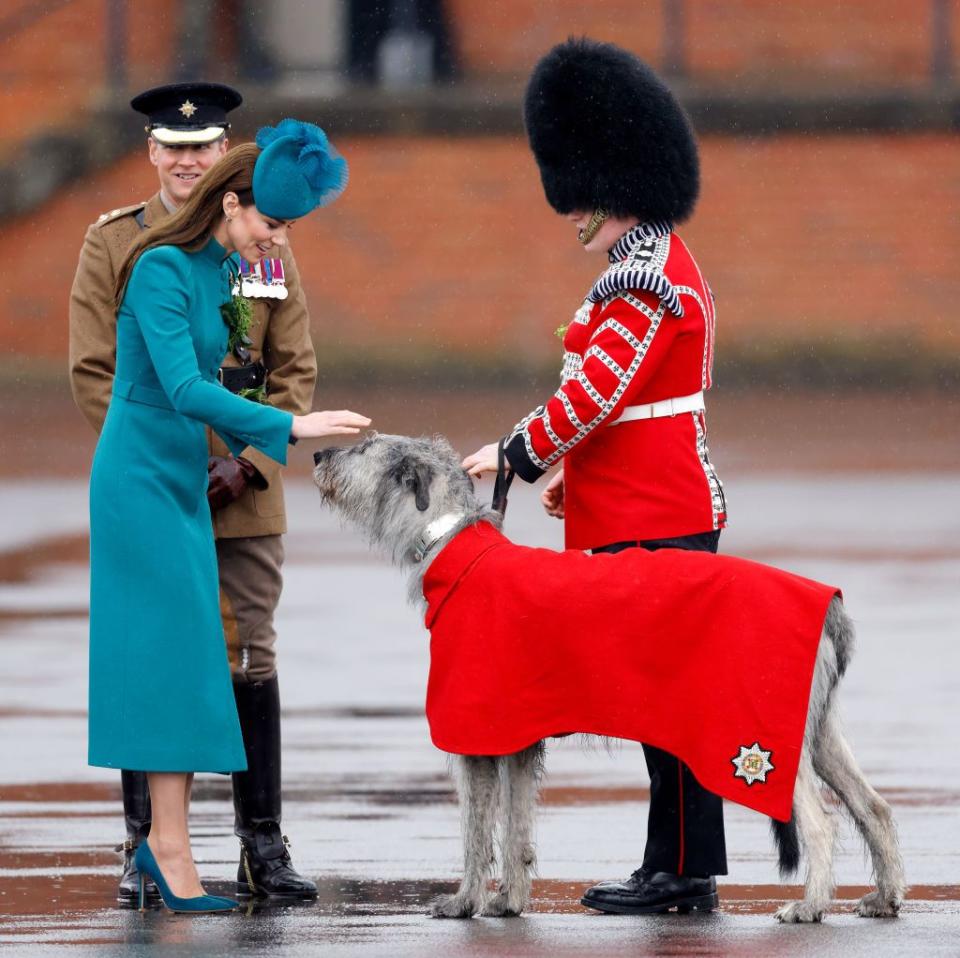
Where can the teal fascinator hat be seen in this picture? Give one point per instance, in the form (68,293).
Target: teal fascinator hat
(297,171)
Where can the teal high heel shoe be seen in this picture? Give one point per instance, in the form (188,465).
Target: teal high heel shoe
(202,904)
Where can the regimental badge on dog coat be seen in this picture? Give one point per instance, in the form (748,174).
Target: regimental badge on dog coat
(752,764)
(528,643)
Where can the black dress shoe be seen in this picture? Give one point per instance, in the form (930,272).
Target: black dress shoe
(647,892)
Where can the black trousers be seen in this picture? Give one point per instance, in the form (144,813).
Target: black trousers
(685,828)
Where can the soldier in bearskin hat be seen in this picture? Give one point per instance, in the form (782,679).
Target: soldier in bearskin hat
(618,158)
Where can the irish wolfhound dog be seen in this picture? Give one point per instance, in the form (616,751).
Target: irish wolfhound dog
(411,497)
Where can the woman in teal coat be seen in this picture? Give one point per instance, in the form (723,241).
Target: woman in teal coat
(161,699)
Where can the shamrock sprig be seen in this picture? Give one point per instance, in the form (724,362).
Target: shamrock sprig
(237,313)
(254,393)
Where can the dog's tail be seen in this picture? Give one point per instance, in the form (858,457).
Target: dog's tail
(787,840)
(839,627)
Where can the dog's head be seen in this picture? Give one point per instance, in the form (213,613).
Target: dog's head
(393,486)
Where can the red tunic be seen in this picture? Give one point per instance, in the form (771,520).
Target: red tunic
(707,657)
(644,334)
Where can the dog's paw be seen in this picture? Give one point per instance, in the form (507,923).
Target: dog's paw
(500,906)
(453,906)
(800,912)
(874,905)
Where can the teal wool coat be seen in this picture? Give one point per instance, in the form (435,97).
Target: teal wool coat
(161,698)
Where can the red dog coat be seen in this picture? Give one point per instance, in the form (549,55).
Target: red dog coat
(528,643)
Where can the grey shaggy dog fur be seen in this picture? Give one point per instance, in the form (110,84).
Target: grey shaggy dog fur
(392,488)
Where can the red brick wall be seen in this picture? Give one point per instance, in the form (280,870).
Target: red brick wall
(446,247)
(52,71)
(805,42)
(507,36)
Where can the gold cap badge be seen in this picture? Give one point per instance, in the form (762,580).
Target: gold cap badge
(188,109)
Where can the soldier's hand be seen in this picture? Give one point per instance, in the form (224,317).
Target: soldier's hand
(552,496)
(227,479)
(484,460)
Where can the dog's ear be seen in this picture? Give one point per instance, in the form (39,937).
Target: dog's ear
(416,475)
(442,448)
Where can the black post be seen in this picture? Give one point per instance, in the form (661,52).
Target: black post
(674,41)
(403,15)
(941,54)
(117,45)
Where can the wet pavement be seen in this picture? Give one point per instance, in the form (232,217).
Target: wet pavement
(368,803)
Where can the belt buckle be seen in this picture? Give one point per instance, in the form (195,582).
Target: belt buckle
(220,375)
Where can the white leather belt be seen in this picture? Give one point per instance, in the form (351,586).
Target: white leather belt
(665,407)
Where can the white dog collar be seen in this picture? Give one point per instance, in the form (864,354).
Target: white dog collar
(434,532)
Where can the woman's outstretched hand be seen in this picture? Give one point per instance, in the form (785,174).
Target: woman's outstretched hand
(316,425)
(552,496)
(484,460)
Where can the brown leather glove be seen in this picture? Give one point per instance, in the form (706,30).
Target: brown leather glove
(227,479)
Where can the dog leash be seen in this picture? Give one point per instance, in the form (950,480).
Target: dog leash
(501,486)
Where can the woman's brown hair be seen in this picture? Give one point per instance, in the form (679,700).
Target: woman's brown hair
(191,225)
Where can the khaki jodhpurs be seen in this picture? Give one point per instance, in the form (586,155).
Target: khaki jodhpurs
(250,587)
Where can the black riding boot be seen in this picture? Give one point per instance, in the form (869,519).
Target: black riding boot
(136,813)
(265,866)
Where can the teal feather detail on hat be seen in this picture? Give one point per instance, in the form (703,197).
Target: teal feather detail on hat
(326,171)
(318,162)
(293,147)
(299,130)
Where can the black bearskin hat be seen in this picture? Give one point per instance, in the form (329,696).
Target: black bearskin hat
(607,132)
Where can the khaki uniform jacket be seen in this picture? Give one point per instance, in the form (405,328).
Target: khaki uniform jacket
(280,335)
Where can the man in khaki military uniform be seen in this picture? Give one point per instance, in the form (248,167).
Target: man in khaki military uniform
(187,134)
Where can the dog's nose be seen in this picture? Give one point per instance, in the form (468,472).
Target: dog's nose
(317,456)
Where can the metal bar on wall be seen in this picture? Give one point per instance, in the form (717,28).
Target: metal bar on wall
(116,67)
(941,52)
(674,39)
